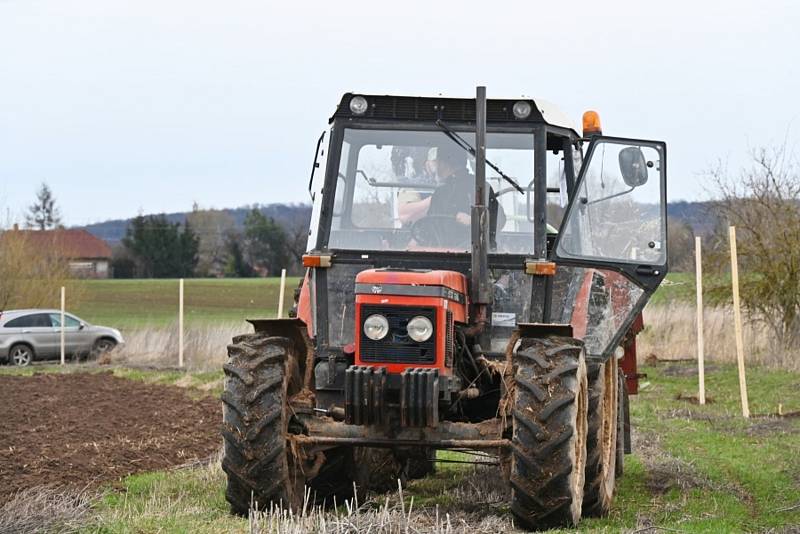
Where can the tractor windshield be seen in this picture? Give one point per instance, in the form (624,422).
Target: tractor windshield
(413,190)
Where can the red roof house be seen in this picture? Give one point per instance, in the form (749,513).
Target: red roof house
(88,256)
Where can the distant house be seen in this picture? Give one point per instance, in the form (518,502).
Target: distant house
(88,256)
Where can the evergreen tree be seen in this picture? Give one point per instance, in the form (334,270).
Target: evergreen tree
(162,249)
(237,266)
(266,243)
(43,215)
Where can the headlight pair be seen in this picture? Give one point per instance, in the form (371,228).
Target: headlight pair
(376,327)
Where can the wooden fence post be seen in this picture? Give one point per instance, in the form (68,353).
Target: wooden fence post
(63,306)
(180,323)
(281,293)
(701,372)
(737,321)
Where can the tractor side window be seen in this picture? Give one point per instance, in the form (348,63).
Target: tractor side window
(341,188)
(513,154)
(556,189)
(374,207)
(618,213)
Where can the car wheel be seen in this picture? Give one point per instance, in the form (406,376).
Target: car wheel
(21,355)
(102,346)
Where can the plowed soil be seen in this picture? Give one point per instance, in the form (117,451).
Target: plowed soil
(79,430)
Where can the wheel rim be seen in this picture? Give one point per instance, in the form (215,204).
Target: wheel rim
(21,356)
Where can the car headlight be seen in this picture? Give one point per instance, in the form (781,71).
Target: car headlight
(376,327)
(420,329)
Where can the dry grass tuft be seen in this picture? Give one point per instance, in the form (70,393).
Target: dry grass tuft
(670,333)
(45,509)
(386,514)
(205,346)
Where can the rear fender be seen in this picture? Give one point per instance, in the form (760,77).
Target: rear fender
(296,331)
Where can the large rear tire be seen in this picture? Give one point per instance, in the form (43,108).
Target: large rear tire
(601,443)
(549,432)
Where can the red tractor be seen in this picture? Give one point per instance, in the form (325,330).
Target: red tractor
(475,277)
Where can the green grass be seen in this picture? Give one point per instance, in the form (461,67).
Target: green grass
(751,466)
(135,303)
(188,500)
(675,287)
(696,468)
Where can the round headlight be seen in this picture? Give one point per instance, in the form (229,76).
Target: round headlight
(521,109)
(376,327)
(419,329)
(358,105)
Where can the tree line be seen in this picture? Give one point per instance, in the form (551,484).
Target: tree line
(208,244)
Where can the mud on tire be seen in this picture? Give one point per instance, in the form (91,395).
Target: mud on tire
(261,375)
(255,424)
(549,432)
(601,439)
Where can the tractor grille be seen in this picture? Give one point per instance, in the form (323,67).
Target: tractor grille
(449,346)
(397,347)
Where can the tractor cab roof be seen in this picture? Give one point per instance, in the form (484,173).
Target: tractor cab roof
(429,109)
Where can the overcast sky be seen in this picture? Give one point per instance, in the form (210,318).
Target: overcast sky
(148,106)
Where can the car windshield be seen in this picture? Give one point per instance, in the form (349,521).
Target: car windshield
(413,190)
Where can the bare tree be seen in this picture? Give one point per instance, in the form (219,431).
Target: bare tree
(764,205)
(680,244)
(212,228)
(44,214)
(30,276)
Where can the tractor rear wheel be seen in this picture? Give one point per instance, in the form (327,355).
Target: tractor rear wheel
(549,432)
(601,443)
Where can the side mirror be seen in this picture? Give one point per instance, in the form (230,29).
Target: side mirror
(633,166)
(81,326)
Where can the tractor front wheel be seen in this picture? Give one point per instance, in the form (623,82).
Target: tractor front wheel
(258,460)
(549,432)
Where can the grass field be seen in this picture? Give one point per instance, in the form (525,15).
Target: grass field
(137,303)
(694,469)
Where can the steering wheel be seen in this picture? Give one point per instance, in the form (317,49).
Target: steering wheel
(440,231)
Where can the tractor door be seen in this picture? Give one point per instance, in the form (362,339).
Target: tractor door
(613,238)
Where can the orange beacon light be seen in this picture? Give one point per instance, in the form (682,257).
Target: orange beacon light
(591,124)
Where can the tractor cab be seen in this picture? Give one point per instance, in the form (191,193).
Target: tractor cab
(394,186)
(475,269)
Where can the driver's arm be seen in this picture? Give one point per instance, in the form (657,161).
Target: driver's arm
(410,208)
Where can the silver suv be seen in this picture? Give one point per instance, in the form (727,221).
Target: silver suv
(27,335)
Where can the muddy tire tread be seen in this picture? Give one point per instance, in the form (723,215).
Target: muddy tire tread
(541,465)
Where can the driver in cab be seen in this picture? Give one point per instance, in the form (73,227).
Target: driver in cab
(453,198)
